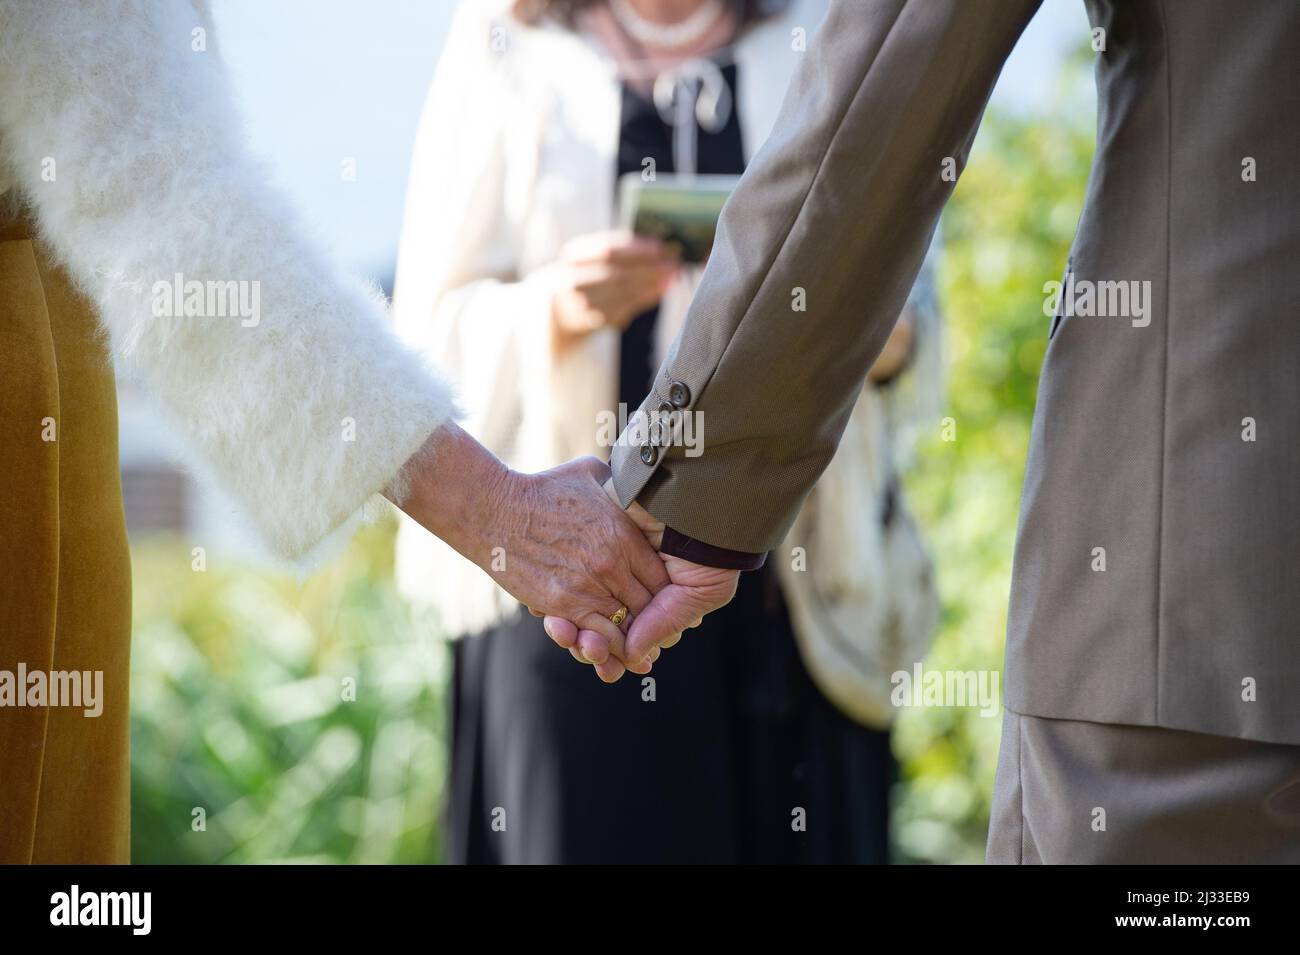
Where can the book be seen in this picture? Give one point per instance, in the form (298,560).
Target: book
(681,211)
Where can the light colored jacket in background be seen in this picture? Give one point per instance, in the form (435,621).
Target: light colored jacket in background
(516,155)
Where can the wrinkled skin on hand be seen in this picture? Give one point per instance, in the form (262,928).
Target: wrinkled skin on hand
(693,591)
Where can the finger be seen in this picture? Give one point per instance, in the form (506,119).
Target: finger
(611,671)
(652,529)
(577,655)
(628,597)
(613,287)
(564,633)
(634,282)
(635,598)
(646,565)
(590,277)
(638,291)
(642,252)
(536,613)
(631,250)
(640,667)
(672,641)
(605,246)
(664,620)
(611,637)
(643,560)
(592,647)
(604,627)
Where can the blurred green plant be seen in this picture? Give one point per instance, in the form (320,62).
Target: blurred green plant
(297,721)
(1007,230)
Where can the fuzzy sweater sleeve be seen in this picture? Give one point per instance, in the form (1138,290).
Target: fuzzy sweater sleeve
(117,126)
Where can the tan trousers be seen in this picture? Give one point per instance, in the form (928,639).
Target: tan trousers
(65,584)
(1075,792)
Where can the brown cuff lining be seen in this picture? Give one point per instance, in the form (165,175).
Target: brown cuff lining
(698,552)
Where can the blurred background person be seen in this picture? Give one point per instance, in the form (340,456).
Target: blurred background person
(764,736)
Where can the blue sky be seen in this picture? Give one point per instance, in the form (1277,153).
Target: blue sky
(320,80)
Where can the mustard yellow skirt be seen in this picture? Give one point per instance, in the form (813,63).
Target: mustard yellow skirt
(65,572)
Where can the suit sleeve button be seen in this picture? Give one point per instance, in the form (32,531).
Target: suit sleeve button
(679,394)
(647,454)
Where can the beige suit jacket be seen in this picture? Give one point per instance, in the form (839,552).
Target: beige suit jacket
(1170,439)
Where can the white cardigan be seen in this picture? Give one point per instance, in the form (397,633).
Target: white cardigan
(516,154)
(122,139)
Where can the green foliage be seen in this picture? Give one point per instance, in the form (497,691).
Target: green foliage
(238,708)
(1007,231)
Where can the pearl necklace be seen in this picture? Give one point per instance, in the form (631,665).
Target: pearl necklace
(669,36)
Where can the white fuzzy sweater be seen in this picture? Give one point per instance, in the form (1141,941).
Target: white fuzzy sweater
(122,139)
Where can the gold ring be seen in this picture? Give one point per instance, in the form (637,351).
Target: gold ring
(618,617)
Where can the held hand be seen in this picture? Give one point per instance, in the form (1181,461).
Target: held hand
(694,590)
(553,540)
(607,279)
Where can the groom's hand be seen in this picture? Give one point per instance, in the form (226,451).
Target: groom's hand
(694,590)
(554,540)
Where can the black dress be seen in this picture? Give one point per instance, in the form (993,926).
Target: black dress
(727,752)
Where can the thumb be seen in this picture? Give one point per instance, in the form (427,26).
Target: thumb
(661,622)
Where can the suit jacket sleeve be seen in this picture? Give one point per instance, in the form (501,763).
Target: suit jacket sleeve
(118,127)
(815,253)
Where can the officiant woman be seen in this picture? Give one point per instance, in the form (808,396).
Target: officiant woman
(764,735)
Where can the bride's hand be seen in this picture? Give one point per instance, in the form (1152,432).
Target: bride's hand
(554,540)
